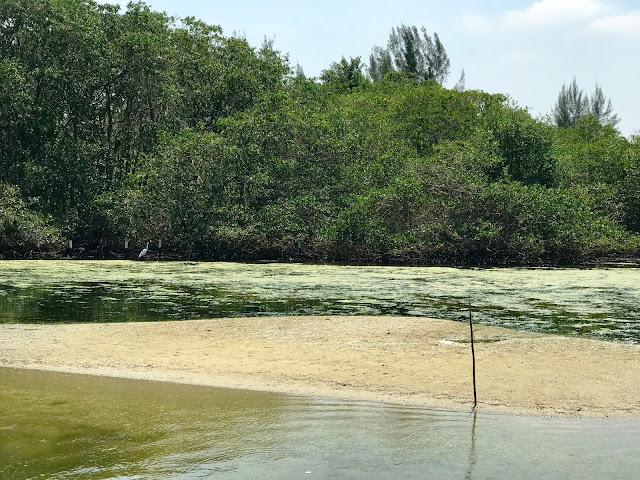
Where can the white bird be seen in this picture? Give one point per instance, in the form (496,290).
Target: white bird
(144,251)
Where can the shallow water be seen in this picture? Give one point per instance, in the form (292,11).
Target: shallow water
(600,302)
(61,426)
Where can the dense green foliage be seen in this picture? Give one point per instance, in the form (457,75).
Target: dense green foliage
(22,229)
(138,126)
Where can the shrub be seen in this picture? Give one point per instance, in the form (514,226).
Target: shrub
(21,229)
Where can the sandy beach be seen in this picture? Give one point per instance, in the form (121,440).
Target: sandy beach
(405,360)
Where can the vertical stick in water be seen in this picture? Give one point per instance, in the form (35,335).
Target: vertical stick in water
(473,358)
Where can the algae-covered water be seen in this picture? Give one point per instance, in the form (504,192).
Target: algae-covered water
(61,426)
(599,302)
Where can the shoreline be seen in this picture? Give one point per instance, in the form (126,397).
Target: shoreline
(623,261)
(398,360)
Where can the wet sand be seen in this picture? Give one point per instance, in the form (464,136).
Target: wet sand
(405,360)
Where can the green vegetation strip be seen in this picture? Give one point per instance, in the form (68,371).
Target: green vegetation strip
(122,128)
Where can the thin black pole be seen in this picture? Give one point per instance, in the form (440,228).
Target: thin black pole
(473,358)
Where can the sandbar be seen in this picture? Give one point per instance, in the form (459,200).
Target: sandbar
(401,360)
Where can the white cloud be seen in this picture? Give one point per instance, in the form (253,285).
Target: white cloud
(587,16)
(625,24)
(550,12)
(540,14)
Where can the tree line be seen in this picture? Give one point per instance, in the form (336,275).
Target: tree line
(138,126)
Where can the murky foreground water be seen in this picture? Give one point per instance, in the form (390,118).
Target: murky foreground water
(602,303)
(61,426)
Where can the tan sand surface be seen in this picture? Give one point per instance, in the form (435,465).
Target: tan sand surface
(406,360)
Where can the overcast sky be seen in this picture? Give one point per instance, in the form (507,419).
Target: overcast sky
(526,49)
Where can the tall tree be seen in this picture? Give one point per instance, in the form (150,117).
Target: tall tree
(413,52)
(299,71)
(380,63)
(408,50)
(460,84)
(573,103)
(438,62)
(602,109)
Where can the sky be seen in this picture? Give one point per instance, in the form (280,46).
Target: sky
(523,48)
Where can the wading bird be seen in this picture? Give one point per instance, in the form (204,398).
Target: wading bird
(144,251)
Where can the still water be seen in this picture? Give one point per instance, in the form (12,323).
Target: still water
(60,426)
(600,302)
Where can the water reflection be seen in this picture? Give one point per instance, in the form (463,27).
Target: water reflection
(600,303)
(472,448)
(59,426)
